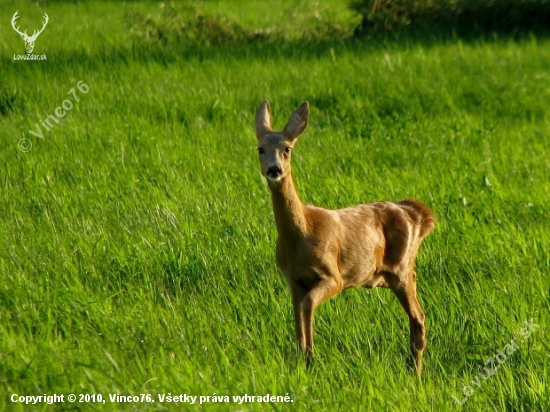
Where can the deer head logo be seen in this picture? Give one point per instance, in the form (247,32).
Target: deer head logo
(29,40)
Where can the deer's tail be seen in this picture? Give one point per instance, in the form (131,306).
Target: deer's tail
(422,215)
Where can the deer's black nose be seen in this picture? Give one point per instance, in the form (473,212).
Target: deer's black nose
(274,171)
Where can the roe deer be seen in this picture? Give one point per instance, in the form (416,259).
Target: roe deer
(321,251)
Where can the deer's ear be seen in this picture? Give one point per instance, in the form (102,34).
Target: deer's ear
(297,122)
(263,119)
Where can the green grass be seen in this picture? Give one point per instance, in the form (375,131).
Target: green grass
(137,236)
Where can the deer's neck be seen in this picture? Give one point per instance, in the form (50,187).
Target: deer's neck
(287,206)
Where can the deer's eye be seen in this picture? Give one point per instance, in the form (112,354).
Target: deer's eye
(261,150)
(287,150)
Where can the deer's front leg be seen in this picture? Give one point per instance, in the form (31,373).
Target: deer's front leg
(323,290)
(298,294)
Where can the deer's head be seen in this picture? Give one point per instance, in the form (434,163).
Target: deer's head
(274,148)
(29,40)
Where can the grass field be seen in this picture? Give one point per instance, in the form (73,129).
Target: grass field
(137,235)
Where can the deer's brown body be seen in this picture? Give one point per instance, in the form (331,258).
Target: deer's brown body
(321,251)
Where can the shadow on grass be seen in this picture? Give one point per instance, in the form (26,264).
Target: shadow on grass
(460,16)
(261,49)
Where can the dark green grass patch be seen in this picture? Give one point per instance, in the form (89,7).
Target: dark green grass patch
(465,17)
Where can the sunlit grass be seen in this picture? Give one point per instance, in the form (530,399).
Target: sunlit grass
(138,237)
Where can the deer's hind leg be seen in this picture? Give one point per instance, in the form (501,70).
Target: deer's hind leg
(403,285)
